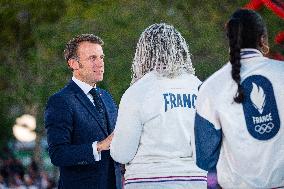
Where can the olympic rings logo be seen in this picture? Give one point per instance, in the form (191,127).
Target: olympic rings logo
(264,128)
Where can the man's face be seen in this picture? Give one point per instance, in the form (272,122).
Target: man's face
(91,63)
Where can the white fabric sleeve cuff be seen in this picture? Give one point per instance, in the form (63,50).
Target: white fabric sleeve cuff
(97,155)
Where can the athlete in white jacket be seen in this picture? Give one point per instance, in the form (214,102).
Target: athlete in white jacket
(239,121)
(156,115)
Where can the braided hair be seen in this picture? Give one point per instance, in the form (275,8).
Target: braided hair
(244,30)
(162,48)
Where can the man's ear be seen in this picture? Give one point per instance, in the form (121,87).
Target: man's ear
(73,64)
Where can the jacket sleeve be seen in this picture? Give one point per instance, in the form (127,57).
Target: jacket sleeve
(207,133)
(59,126)
(127,131)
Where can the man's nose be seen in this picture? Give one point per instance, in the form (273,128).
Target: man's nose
(100,62)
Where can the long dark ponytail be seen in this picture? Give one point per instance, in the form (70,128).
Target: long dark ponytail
(235,41)
(244,30)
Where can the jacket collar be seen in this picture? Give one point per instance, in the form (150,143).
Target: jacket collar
(250,53)
(82,97)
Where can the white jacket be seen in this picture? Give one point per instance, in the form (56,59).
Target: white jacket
(153,133)
(245,140)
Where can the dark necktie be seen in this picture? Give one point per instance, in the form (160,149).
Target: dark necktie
(99,106)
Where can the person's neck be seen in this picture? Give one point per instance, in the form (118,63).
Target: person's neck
(82,80)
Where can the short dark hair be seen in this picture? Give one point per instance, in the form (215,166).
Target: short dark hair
(71,47)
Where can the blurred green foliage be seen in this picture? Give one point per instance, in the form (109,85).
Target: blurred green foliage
(34,33)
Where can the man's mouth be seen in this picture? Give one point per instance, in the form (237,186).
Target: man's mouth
(99,71)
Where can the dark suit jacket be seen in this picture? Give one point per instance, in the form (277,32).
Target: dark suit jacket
(73,124)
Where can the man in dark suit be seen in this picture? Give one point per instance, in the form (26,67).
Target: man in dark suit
(79,120)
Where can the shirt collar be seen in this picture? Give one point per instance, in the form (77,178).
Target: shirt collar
(84,86)
(250,53)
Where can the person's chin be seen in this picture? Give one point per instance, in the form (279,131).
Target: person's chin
(99,79)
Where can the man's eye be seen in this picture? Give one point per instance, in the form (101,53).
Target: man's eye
(93,58)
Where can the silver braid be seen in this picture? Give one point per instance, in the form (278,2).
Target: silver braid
(162,48)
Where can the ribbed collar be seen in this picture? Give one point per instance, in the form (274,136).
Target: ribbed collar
(250,53)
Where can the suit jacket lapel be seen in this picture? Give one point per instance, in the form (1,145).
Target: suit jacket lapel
(88,104)
(107,111)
